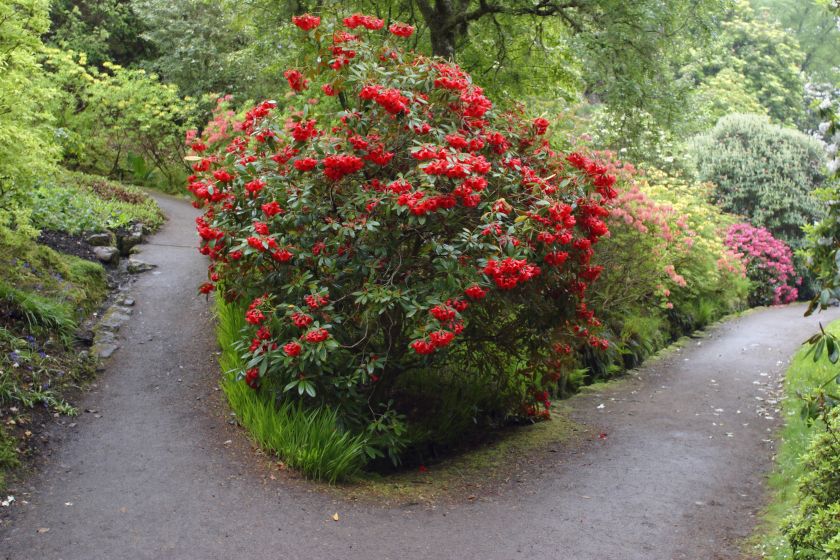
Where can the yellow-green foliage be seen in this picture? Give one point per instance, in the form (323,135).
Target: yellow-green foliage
(723,94)
(28,150)
(120,121)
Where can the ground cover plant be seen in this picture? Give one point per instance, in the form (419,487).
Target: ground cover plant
(77,203)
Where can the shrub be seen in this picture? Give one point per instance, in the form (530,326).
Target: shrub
(814,530)
(120,122)
(763,172)
(769,264)
(666,268)
(823,237)
(394,222)
(714,277)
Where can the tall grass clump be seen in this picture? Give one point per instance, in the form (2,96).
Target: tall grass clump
(309,440)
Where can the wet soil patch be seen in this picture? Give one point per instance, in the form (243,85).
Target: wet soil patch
(66,243)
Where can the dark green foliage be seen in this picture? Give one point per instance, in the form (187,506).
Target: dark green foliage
(814,530)
(763,172)
(105,30)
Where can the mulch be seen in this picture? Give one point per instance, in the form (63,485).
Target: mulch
(67,243)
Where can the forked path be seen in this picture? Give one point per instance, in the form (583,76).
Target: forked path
(156,473)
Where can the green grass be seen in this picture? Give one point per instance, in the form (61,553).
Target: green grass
(307,440)
(803,376)
(43,297)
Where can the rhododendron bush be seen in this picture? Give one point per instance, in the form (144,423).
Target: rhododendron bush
(769,263)
(393,221)
(663,261)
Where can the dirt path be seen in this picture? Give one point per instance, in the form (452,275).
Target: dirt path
(156,473)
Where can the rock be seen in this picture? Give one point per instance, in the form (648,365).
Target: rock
(100,239)
(136,266)
(113,320)
(105,350)
(129,239)
(128,302)
(107,255)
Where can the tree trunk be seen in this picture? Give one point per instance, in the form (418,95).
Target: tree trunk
(442,32)
(443,41)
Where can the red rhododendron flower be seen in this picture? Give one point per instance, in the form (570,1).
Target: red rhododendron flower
(255,186)
(303,131)
(317,335)
(441,338)
(261,228)
(305,164)
(337,166)
(306,22)
(442,313)
(292,349)
(296,80)
(301,320)
(282,255)
(368,22)
(423,347)
(315,301)
(540,126)
(252,378)
(271,209)
(206,288)
(401,29)
(223,176)
(475,292)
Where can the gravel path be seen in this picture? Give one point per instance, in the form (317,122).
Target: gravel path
(156,472)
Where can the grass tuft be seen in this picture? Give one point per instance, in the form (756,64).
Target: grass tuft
(306,439)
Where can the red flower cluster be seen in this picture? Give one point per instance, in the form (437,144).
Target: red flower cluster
(368,22)
(316,336)
(401,29)
(296,80)
(306,22)
(336,167)
(510,272)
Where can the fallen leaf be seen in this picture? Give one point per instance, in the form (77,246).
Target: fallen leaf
(335,517)
(44,530)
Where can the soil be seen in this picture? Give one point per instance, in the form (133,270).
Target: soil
(670,463)
(66,243)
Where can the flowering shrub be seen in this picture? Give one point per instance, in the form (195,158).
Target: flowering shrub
(769,264)
(395,222)
(714,277)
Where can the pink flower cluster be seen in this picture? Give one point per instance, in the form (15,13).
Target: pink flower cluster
(769,263)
